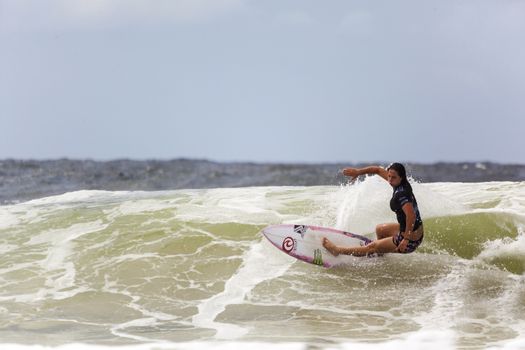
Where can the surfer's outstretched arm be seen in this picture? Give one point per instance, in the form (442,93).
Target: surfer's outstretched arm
(372,170)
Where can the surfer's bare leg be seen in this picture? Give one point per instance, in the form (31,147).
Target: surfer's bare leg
(385,245)
(387,230)
(332,248)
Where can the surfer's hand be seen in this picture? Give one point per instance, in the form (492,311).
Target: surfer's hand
(402,246)
(350,172)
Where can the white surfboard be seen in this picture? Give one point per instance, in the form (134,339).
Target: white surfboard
(305,242)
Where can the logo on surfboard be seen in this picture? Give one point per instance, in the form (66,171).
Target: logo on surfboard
(288,244)
(300,229)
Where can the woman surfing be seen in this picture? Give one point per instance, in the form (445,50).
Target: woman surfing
(401,237)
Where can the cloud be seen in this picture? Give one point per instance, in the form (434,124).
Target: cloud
(25,15)
(178,10)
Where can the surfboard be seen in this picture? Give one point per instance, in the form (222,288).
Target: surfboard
(305,242)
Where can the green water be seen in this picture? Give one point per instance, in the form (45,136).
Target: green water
(132,267)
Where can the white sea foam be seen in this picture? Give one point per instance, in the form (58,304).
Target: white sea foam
(82,196)
(428,340)
(364,204)
(138,206)
(256,268)
(57,266)
(60,244)
(448,297)
(506,247)
(257,205)
(508,307)
(505,195)
(5,248)
(8,218)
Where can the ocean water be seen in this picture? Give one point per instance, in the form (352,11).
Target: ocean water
(189,269)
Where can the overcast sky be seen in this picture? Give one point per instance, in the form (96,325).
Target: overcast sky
(263,80)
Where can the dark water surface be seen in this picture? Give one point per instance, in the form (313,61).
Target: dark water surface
(22,180)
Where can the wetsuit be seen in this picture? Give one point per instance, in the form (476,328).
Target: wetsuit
(401,197)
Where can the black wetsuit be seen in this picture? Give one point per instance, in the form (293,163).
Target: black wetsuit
(400,197)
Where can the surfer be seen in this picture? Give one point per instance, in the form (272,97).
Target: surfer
(401,237)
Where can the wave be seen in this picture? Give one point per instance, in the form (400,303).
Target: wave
(191,265)
(494,238)
(479,220)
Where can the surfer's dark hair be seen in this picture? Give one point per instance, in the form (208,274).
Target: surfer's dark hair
(401,171)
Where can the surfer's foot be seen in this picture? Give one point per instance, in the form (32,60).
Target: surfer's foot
(332,248)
